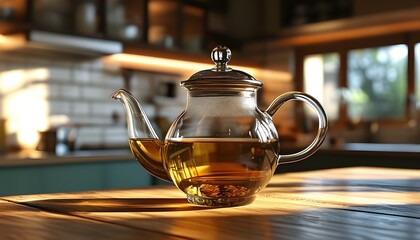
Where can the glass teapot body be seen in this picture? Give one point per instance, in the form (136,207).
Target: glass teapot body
(222,149)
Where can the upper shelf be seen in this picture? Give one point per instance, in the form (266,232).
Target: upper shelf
(347,29)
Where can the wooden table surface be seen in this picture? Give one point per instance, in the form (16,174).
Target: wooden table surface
(348,203)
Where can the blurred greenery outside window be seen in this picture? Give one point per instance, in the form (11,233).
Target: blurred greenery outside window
(375,85)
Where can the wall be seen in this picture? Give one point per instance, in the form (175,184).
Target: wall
(255,19)
(39,93)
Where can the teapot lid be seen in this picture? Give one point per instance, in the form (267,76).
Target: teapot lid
(221,74)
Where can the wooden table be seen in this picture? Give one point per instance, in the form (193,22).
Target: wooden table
(349,203)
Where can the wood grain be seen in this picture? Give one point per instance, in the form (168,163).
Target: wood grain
(23,222)
(351,203)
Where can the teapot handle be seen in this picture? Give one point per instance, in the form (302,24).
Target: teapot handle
(322,124)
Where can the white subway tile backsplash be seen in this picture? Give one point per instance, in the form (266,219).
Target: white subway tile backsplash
(58,73)
(96,64)
(116,139)
(85,131)
(97,77)
(110,81)
(116,135)
(85,65)
(59,107)
(115,76)
(81,76)
(80,108)
(106,135)
(105,108)
(89,137)
(90,120)
(116,130)
(81,119)
(70,91)
(54,90)
(95,93)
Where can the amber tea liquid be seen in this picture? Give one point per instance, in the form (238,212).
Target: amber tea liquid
(222,172)
(147,153)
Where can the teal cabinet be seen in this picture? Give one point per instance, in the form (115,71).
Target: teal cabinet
(72,177)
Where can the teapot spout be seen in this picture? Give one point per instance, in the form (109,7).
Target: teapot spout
(144,142)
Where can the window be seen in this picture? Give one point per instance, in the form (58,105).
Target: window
(360,83)
(376,83)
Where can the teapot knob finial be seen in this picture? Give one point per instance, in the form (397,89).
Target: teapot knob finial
(221,56)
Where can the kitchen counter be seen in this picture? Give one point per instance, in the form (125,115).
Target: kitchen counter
(31,157)
(405,148)
(355,154)
(348,203)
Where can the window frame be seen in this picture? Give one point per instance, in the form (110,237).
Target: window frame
(342,48)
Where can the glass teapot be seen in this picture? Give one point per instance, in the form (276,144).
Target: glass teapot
(222,149)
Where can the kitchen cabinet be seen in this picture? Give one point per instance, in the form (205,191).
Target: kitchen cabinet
(300,12)
(109,19)
(126,20)
(178,24)
(71,177)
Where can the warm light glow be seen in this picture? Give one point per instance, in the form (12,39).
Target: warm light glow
(156,64)
(15,79)
(27,115)
(38,74)
(24,103)
(314,78)
(11,80)
(185,68)
(12,41)
(265,74)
